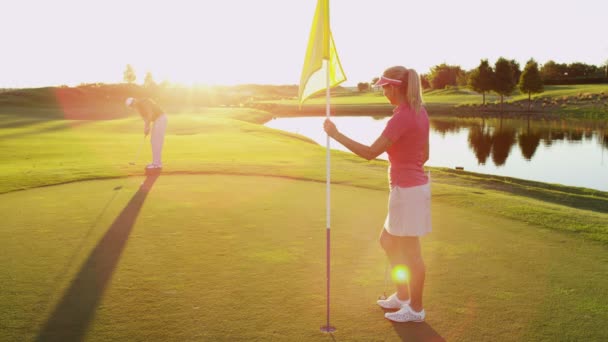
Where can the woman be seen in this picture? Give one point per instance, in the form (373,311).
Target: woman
(152,113)
(406,141)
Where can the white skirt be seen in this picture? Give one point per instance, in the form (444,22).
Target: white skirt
(409,211)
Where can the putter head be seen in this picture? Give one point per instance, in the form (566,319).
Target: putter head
(131,163)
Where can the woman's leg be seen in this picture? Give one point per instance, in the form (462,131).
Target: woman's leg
(157,139)
(396,257)
(411,246)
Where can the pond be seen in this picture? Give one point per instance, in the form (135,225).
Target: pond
(564,152)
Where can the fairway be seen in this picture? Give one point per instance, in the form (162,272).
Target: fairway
(149,192)
(237,258)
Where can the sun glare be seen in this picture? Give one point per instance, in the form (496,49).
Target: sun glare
(400,274)
(222,43)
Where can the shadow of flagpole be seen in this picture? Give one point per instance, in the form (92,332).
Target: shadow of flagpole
(74,312)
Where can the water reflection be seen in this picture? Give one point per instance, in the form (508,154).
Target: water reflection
(480,140)
(528,143)
(495,138)
(569,152)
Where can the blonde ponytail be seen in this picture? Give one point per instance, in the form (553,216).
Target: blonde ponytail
(413,93)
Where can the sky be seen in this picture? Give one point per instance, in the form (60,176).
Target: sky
(226,42)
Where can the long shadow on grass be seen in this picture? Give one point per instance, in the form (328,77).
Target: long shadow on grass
(59,125)
(12,122)
(417,332)
(71,318)
(587,199)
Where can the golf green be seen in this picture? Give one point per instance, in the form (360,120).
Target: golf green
(238,258)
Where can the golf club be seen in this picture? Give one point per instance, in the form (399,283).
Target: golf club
(141,147)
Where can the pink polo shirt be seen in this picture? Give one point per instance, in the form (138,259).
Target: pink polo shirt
(409,135)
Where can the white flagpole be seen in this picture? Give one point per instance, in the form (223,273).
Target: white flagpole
(327,114)
(328,173)
(328,328)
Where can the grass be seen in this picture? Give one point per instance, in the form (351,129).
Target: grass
(558,101)
(225,267)
(459,95)
(228,244)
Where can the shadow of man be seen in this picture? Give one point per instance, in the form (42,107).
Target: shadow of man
(74,312)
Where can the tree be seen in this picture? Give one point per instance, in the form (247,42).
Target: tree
(444,75)
(553,71)
(424,81)
(504,81)
(481,79)
(530,81)
(374,80)
(129,74)
(578,69)
(516,70)
(362,86)
(463,79)
(149,80)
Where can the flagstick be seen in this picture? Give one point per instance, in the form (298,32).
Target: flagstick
(328,328)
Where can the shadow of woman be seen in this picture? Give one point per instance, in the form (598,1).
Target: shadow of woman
(74,312)
(417,332)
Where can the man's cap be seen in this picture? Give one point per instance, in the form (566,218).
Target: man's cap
(129,101)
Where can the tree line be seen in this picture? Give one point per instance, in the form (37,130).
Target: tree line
(502,78)
(506,75)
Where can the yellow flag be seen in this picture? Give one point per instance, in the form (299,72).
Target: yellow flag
(320,47)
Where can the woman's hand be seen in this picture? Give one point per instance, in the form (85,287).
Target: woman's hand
(330,128)
(146,128)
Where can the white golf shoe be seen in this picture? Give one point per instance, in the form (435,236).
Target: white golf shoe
(154,166)
(392,302)
(406,314)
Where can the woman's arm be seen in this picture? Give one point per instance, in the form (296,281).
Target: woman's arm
(363,151)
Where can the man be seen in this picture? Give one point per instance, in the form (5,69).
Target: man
(152,114)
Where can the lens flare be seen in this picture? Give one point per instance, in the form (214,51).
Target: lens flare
(400,274)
